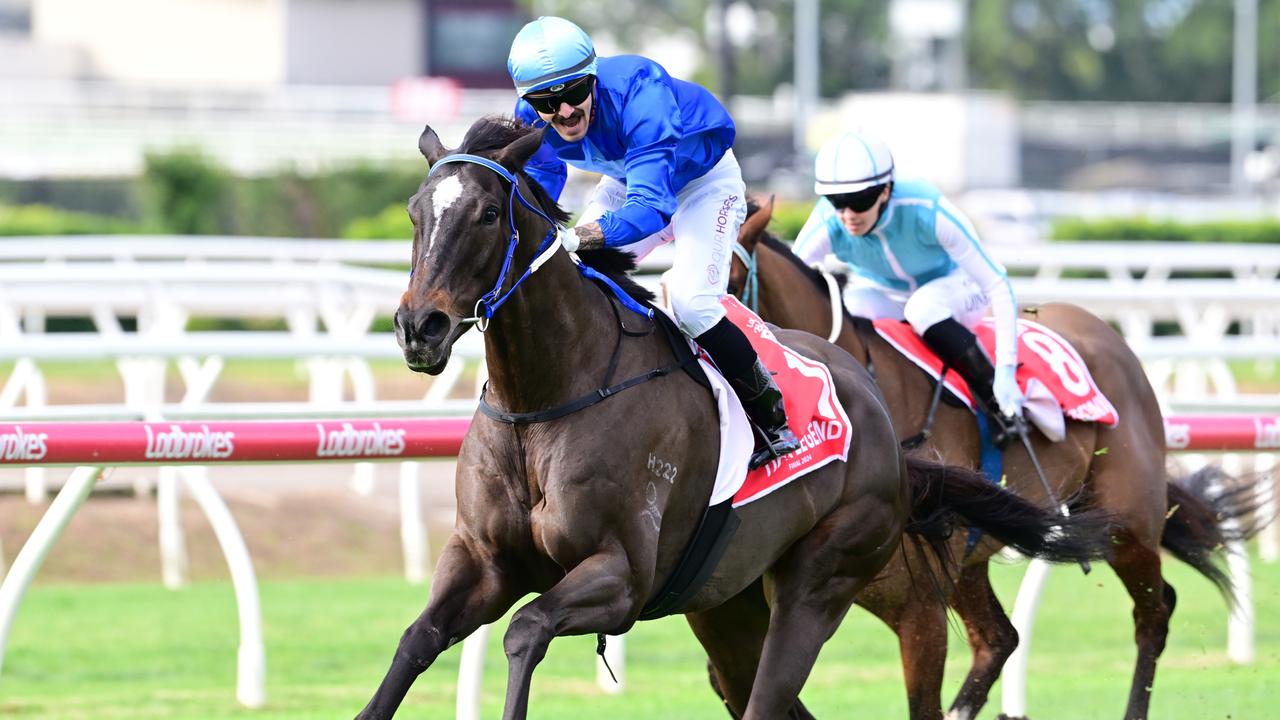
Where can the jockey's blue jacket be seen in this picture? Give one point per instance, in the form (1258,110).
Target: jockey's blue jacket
(650,131)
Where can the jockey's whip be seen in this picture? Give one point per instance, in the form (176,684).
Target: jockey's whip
(1020,428)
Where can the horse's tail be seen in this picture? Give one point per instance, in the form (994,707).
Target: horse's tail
(1207,510)
(944,496)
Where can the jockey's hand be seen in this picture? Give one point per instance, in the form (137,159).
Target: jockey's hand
(1005,388)
(590,236)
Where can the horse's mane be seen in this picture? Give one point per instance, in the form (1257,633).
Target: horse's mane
(494,132)
(772,242)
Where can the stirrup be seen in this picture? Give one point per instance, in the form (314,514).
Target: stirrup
(786,443)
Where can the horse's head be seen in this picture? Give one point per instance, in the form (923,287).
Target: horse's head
(462,227)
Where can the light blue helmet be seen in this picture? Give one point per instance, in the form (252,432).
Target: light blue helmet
(549,51)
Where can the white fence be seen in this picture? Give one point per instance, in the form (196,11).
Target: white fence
(328,295)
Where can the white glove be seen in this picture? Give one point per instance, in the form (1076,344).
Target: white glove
(1005,388)
(569,239)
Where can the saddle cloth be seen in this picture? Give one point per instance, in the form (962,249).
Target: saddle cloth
(813,410)
(1053,377)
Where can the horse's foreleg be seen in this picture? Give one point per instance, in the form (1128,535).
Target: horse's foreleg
(991,636)
(594,597)
(468,590)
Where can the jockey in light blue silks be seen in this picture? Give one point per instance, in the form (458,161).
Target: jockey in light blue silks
(663,149)
(914,256)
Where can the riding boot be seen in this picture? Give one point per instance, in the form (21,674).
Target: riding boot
(958,348)
(753,384)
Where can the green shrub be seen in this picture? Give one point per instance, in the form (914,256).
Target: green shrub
(1147,230)
(391,224)
(186,193)
(788,218)
(43,220)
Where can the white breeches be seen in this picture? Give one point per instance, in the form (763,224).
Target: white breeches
(709,211)
(952,296)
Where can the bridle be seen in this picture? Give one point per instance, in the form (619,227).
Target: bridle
(489,303)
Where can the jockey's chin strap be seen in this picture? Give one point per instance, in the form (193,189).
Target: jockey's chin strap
(489,303)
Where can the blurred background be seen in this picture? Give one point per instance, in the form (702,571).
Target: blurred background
(295,117)
(202,205)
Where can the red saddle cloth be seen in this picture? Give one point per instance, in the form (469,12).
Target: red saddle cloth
(814,411)
(1046,362)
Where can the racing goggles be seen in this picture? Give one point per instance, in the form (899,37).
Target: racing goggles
(859,202)
(575,93)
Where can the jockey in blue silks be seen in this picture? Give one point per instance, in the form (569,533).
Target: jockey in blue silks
(663,149)
(914,256)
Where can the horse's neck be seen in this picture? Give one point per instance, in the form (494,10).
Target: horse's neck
(546,342)
(789,297)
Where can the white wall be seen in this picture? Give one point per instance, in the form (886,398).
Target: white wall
(188,42)
(955,141)
(373,42)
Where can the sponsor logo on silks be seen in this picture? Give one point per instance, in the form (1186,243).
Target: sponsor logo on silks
(1266,434)
(179,444)
(350,442)
(19,445)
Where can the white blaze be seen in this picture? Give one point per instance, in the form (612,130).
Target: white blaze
(444,196)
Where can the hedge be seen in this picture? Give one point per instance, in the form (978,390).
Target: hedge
(393,223)
(43,220)
(1148,230)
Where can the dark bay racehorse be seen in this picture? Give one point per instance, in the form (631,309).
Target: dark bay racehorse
(1120,470)
(593,508)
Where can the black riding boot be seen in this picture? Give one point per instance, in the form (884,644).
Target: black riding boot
(750,379)
(959,349)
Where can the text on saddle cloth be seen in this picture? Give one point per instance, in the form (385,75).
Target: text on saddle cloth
(813,409)
(1050,371)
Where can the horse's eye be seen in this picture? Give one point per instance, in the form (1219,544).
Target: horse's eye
(490,215)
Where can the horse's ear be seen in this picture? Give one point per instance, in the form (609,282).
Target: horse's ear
(430,146)
(754,226)
(514,156)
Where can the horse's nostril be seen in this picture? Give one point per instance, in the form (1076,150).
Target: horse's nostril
(434,325)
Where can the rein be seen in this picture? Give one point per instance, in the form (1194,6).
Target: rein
(603,393)
(751,292)
(492,300)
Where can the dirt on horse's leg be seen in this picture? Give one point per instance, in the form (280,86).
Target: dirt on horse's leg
(1138,567)
(991,636)
(732,634)
(466,592)
(592,598)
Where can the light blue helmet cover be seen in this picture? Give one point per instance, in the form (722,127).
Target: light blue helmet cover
(549,51)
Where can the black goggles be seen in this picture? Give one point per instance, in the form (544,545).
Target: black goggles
(860,201)
(575,93)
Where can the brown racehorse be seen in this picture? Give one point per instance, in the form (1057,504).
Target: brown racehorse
(1120,470)
(592,503)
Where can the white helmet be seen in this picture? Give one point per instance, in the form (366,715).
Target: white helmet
(852,162)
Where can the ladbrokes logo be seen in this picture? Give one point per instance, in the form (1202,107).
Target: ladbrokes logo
(179,444)
(349,442)
(19,445)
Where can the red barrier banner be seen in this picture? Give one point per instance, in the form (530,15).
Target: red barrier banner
(207,443)
(1222,432)
(119,443)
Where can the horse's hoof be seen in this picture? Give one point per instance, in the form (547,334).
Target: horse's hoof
(1002,716)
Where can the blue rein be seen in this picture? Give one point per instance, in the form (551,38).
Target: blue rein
(492,300)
